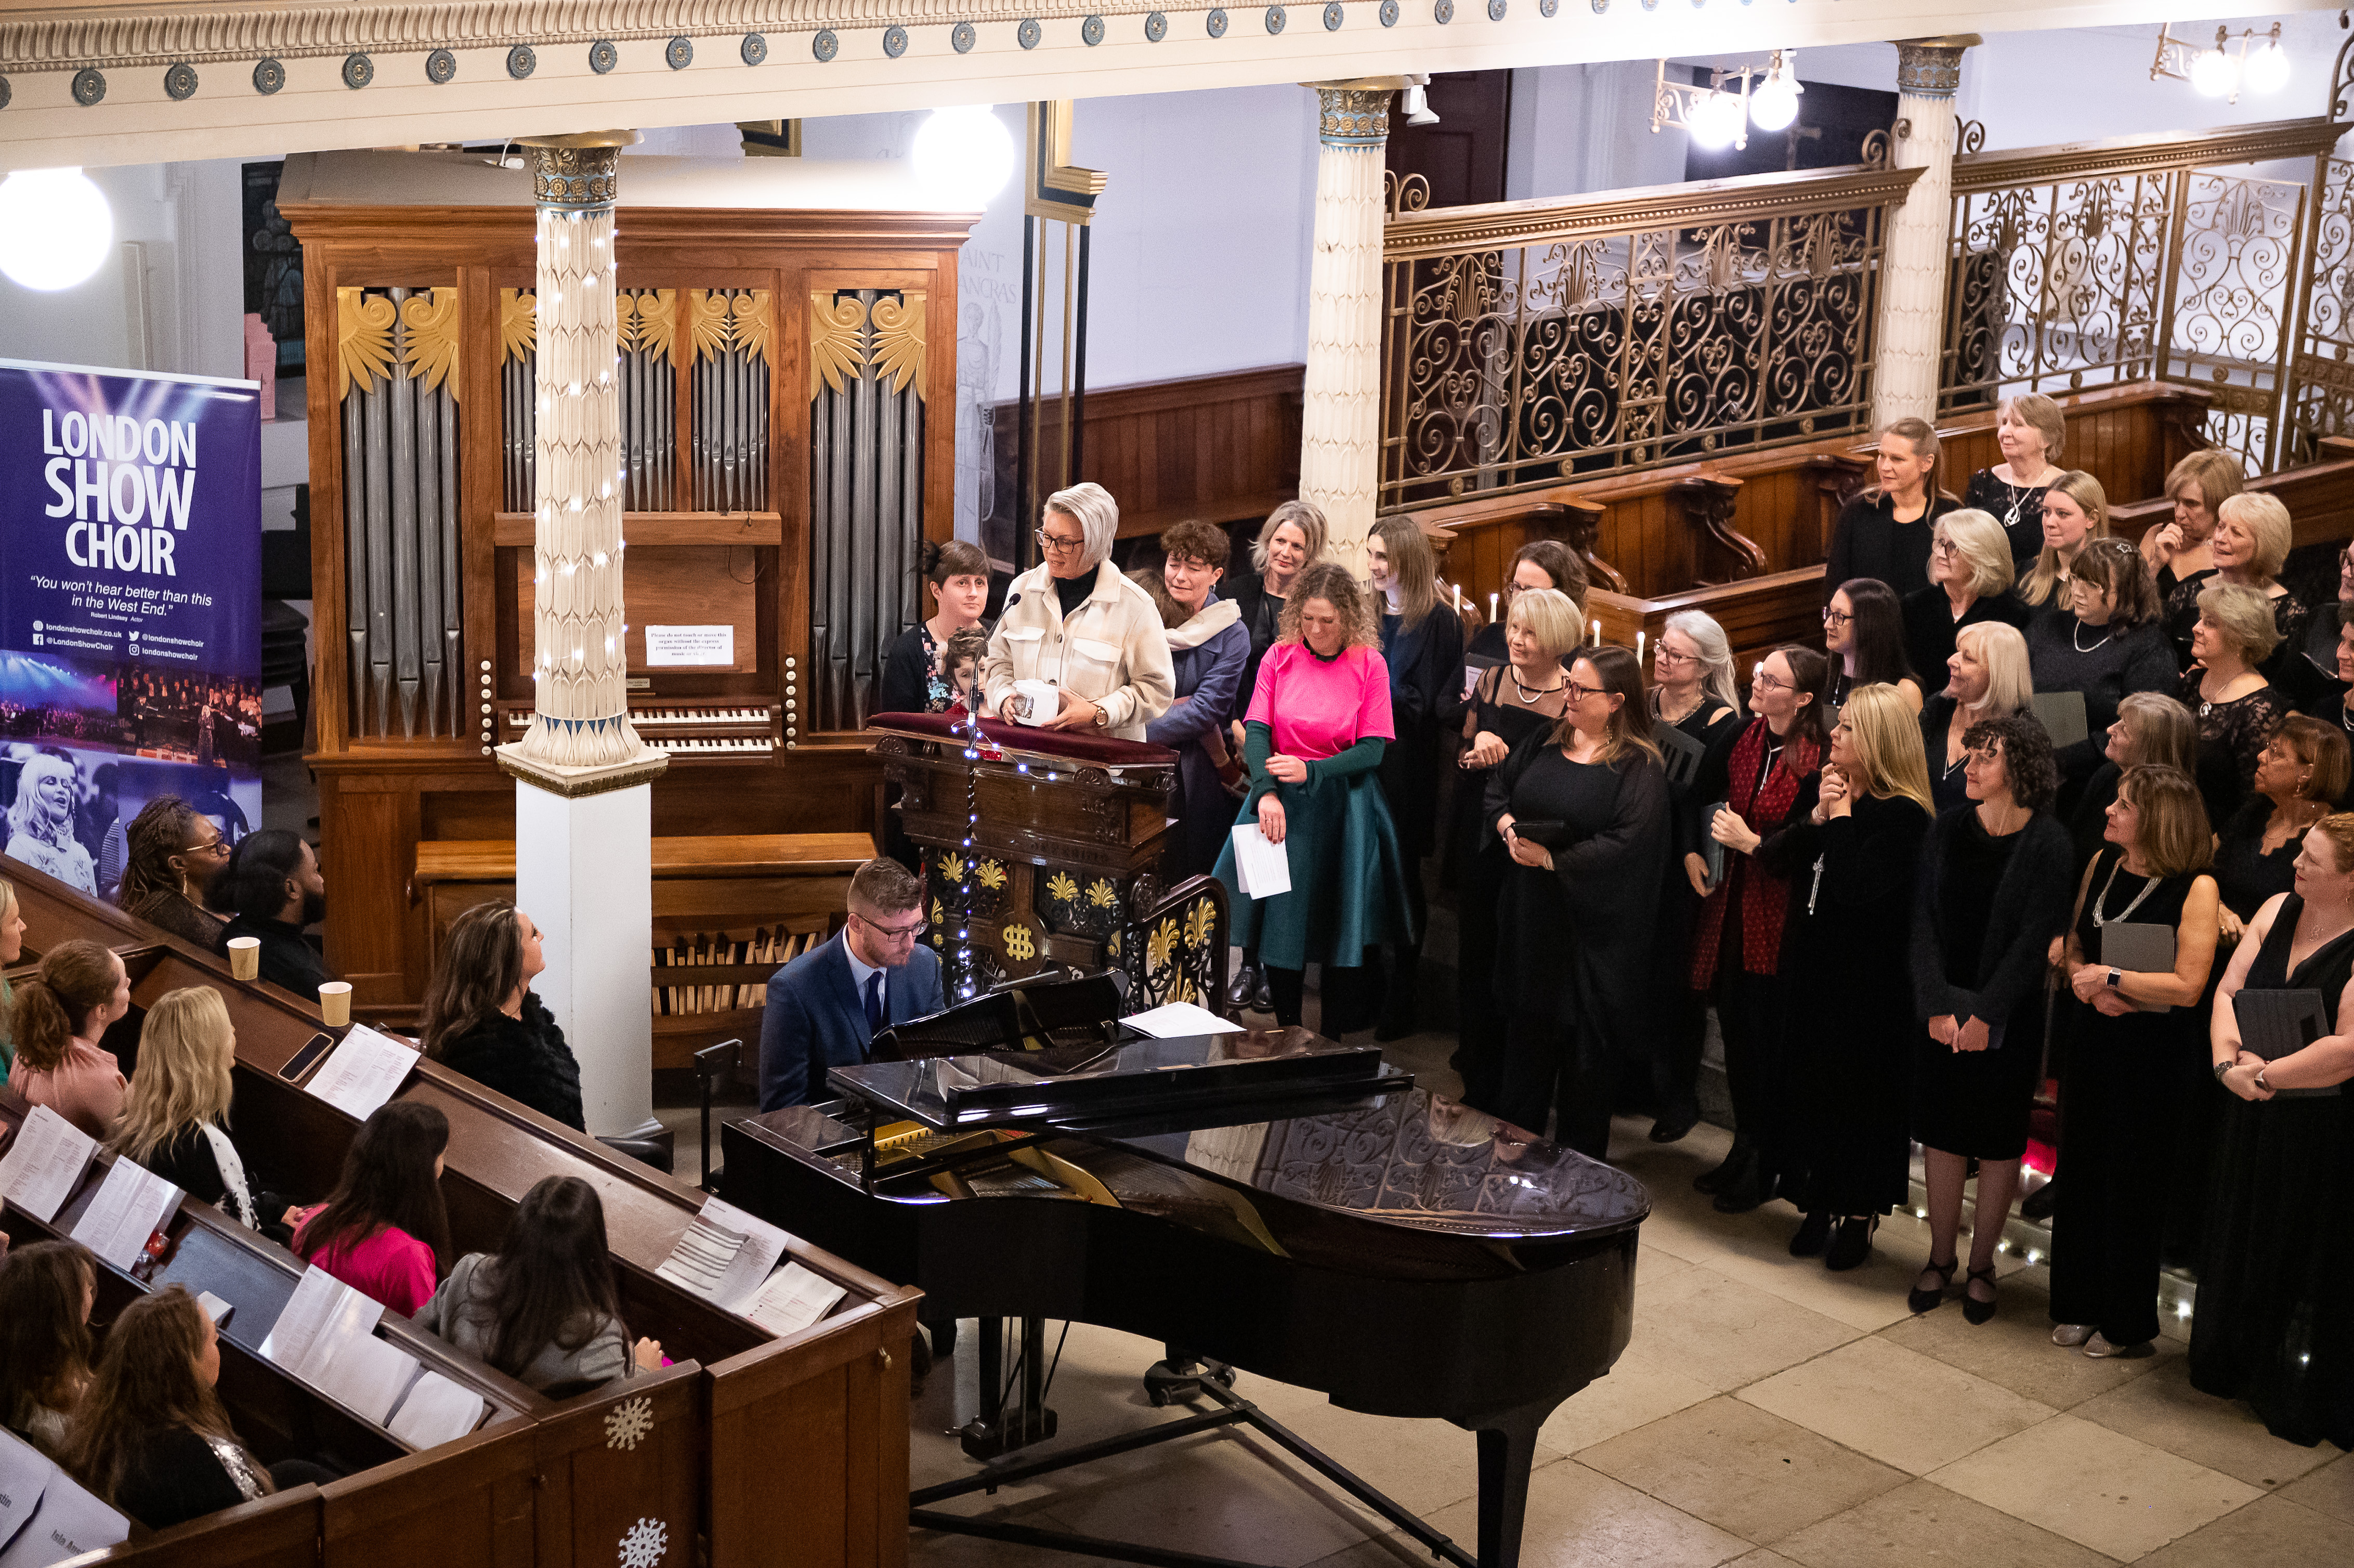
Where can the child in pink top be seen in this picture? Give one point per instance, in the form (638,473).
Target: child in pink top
(384,1231)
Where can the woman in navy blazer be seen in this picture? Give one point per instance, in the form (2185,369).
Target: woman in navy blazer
(817,1015)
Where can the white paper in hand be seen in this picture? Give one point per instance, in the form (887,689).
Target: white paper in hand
(1262,868)
(362,1073)
(48,1157)
(131,1205)
(1178,1020)
(1046,702)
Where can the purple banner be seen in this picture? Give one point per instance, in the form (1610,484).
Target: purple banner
(130,609)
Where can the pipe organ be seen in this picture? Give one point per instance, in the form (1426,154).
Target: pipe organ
(787,380)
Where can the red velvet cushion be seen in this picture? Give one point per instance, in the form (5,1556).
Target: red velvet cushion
(1101,750)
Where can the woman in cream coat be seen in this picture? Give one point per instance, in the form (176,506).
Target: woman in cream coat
(1077,623)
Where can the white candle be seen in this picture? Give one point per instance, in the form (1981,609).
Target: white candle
(1597,634)
(1638,647)
(1492,607)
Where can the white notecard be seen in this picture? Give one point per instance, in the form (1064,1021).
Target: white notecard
(689,647)
(367,1376)
(48,1157)
(699,1262)
(25,1474)
(436,1410)
(65,1522)
(363,1072)
(131,1205)
(1179,1019)
(322,1317)
(214,1308)
(764,1247)
(793,1299)
(1262,868)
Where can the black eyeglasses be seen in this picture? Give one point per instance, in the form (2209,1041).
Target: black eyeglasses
(1578,694)
(1056,545)
(1836,618)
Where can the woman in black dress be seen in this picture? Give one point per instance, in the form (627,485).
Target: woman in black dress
(2133,1028)
(2152,728)
(2076,513)
(2183,550)
(1692,698)
(2032,434)
(1883,534)
(1985,678)
(1850,866)
(2102,640)
(1969,583)
(2237,708)
(2250,543)
(2277,1267)
(482,1019)
(1541,564)
(1991,894)
(1766,774)
(1422,642)
(913,681)
(2301,777)
(1522,698)
(1584,812)
(1863,632)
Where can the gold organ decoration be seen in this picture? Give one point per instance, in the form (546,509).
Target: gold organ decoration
(518,323)
(710,319)
(754,323)
(898,354)
(837,339)
(363,339)
(432,348)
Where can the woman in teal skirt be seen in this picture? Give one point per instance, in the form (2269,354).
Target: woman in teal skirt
(1313,737)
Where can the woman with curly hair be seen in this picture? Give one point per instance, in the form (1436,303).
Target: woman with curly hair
(174,852)
(1991,894)
(1314,737)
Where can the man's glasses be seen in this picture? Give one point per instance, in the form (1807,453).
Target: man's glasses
(895,933)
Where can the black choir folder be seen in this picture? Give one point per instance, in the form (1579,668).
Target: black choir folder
(2063,717)
(1680,752)
(2277,1023)
(2143,949)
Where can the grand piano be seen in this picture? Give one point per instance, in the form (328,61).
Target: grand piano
(1270,1201)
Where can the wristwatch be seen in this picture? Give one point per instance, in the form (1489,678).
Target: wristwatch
(2260,1079)
(2116,978)
(2221,1068)
(1103,719)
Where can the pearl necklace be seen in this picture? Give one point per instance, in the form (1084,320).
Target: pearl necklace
(1529,698)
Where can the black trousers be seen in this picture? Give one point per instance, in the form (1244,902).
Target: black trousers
(1749,1014)
(1544,1073)
(1344,997)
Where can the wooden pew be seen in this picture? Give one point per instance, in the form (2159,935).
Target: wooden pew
(281,1530)
(825,1407)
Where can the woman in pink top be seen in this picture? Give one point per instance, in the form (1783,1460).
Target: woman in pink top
(384,1233)
(56,1021)
(1313,737)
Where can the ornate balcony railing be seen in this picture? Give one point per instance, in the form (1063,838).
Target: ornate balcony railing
(1530,342)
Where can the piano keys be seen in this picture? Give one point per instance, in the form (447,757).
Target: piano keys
(1305,1217)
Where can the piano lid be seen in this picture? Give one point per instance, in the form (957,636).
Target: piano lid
(1184,1081)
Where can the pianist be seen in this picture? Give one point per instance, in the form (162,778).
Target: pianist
(826,1006)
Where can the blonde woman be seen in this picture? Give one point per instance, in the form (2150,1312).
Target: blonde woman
(1422,644)
(1582,810)
(1986,678)
(1969,582)
(2075,509)
(1314,735)
(40,822)
(2032,434)
(2237,707)
(2181,550)
(1512,703)
(1885,532)
(1845,953)
(2250,543)
(176,1120)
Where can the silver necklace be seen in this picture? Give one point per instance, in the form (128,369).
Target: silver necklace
(2080,647)
(2099,919)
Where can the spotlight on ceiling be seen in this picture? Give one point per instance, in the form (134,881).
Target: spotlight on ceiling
(964,154)
(55,229)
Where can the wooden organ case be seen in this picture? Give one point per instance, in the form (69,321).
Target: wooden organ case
(787,364)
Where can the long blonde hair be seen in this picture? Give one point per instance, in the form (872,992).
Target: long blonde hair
(1886,733)
(187,1049)
(2085,491)
(1412,567)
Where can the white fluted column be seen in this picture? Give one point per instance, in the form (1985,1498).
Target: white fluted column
(583,798)
(1913,262)
(1341,412)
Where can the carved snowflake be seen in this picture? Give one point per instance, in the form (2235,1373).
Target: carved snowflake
(646,1544)
(627,1424)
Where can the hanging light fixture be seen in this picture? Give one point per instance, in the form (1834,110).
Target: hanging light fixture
(1716,121)
(2267,65)
(55,229)
(1774,103)
(2231,64)
(964,154)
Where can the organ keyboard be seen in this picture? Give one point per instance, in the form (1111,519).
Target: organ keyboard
(716,731)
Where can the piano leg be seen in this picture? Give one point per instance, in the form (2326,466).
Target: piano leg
(1005,1424)
(1506,1453)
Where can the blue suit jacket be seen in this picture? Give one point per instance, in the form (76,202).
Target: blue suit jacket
(815,1019)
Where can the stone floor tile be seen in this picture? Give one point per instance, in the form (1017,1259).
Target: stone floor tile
(2015,1349)
(2330,1489)
(1579,1518)
(2273,1533)
(1727,1334)
(1896,1405)
(1742,1469)
(2164,1411)
(2097,1488)
(1644,1386)
(1922,1525)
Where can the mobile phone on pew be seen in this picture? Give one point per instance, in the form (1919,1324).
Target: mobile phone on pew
(306,1059)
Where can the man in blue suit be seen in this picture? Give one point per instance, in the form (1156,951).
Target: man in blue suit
(826,1006)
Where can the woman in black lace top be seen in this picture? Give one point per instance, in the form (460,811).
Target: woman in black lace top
(2032,435)
(2236,707)
(2183,551)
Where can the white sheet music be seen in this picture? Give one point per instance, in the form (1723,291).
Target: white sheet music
(700,1260)
(764,1245)
(24,1473)
(1178,1020)
(367,1376)
(363,1071)
(436,1410)
(793,1299)
(48,1157)
(322,1317)
(131,1205)
(62,1521)
(1262,868)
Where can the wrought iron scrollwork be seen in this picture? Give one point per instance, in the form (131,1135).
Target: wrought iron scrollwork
(2321,398)
(1969,136)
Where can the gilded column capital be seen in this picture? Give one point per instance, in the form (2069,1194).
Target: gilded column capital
(578,174)
(1352,116)
(1932,67)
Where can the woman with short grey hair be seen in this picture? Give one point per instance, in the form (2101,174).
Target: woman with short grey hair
(1076,623)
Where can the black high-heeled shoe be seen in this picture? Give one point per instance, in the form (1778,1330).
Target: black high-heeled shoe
(1974,1309)
(1738,1161)
(1921,1301)
(1852,1246)
(1814,1234)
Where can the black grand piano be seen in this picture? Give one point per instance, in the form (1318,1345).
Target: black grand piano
(1268,1200)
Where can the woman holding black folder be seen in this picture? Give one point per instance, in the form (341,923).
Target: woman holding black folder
(2277,1269)
(2137,963)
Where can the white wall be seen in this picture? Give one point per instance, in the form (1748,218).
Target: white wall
(1583,127)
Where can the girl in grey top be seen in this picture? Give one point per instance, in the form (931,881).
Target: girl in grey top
(544,1309)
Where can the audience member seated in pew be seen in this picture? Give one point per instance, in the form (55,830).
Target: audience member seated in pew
(385,1230)
(271,888)
(46,1290)
(150,1436)
(175,853)
(175,1124)
(544,1309)
(12,951)
(482,1019)
(56,1020)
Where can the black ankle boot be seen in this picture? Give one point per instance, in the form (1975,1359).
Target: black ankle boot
(1740,1159)
(1813,1236)
(1852,1245)
(1244,991)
